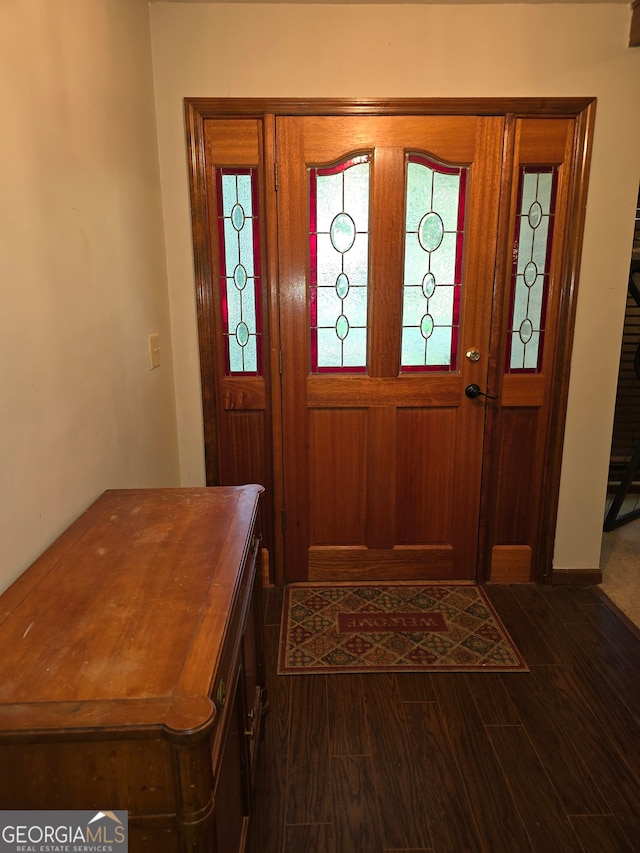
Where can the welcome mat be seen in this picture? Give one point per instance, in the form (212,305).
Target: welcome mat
(407,627)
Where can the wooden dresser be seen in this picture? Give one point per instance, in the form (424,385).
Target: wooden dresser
(131,674)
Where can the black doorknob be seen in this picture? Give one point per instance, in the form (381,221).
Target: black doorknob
(472,391)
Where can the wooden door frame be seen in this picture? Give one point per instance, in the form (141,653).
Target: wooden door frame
(582,110)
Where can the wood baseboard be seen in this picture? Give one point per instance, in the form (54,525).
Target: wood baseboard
(583,577)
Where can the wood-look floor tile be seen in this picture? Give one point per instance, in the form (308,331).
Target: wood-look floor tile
(499,825)
(308,771)
(618,660)
(537,800)
(309,838)
(348,733)
(604,690)
(267,821)
(529,641)
(599,683)
(582,682)
(272,599)
(567,601)
(399,784)
(618,783)
(601,833)
(548,733)
(355,805)
(451,822)
(491,698)
(415,687)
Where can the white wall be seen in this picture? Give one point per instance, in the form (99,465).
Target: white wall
(300,51)
(82,268)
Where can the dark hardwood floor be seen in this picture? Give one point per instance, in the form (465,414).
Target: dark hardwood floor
(543,761)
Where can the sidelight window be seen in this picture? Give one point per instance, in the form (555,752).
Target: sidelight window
(238,228)
(530,271)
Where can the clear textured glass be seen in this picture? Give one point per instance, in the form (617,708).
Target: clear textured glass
(339,265)
(238,230)
(434,236)
(531,262)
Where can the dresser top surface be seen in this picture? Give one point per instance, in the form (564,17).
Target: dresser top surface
(127,610)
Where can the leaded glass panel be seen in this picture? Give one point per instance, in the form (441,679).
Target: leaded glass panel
(238,228)
(434,234)
(530,272)
(339,254)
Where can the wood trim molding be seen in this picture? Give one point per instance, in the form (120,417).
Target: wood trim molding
(258,107)
(575,223)
(583,577)
(634,35)
(203,273)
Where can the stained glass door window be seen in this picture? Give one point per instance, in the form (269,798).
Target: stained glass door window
(434,232)
(237,195)
(530,272)
(339,265)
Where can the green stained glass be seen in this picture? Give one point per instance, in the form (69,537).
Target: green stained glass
(342,233)
(342,327)
(237,217)
(342,285)
(426,326)
(242,334)
(428,285)
(430,232)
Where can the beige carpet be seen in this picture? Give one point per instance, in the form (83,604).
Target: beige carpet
(620,566)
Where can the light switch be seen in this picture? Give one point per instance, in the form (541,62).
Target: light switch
(154,351)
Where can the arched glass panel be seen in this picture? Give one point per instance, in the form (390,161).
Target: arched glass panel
(530,272)
(434,236)
(339,270)
(238,228)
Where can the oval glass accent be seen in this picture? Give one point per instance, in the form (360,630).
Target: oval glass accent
(342,327)
(535,214)
(342,285)
(237,217)
(242,334)
(426,326)
(240,277)
(530,274)
(430,231)
(525,331)
(343,232)
(429,285)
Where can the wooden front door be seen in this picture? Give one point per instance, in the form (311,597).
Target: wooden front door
(358,266)
(387,247)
